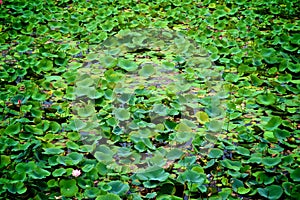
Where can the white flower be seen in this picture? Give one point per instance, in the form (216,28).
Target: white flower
(76,173)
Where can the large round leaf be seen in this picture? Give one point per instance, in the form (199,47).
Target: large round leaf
(271,192)
(118,187)
(68,188)
(127,65)
(122,114)
(108,197)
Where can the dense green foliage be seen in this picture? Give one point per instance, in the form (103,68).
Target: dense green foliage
(44,44)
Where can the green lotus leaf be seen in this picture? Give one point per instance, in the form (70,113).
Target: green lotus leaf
(122,114)
(215,153)
(214,57)
(45,65)
(271,192)
(234,165)
(32,129)
(291,189)
(153,174)
(38,173)
(232,77)
(243,151)
(22,48)
(255,158)
(214,125)
(273,123)
(190,176)
(59,172)
(93,93)
(88,167)
(289,47)
(86,82)
(53,150)
(108,197)
(42,29)
(112,76)
(108,61)
(263,178)
(13,129)
(266,99)
(108,26)
(267,52)
(101,168)
(235,50)
(92,57)
(294,67)
(168,65)
(242,190)
(202,117)
(174,154)
(104,154)
(75,157)
(17,187)
(72,145)
(271,162)
(118,187)
(68,188)
(183,127)
(4,161)
(284,78)
(295,175)
(92,192)
(147,70)
(73,136)
(25,167)
(219,13)
(127,65)
(77,124)
(54,127)
(86,110)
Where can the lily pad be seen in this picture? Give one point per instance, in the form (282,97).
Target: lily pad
(271,192)
(108,197)
(127,65)
(68,188)
(267,99)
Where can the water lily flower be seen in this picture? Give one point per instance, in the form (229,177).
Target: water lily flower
(76,173)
